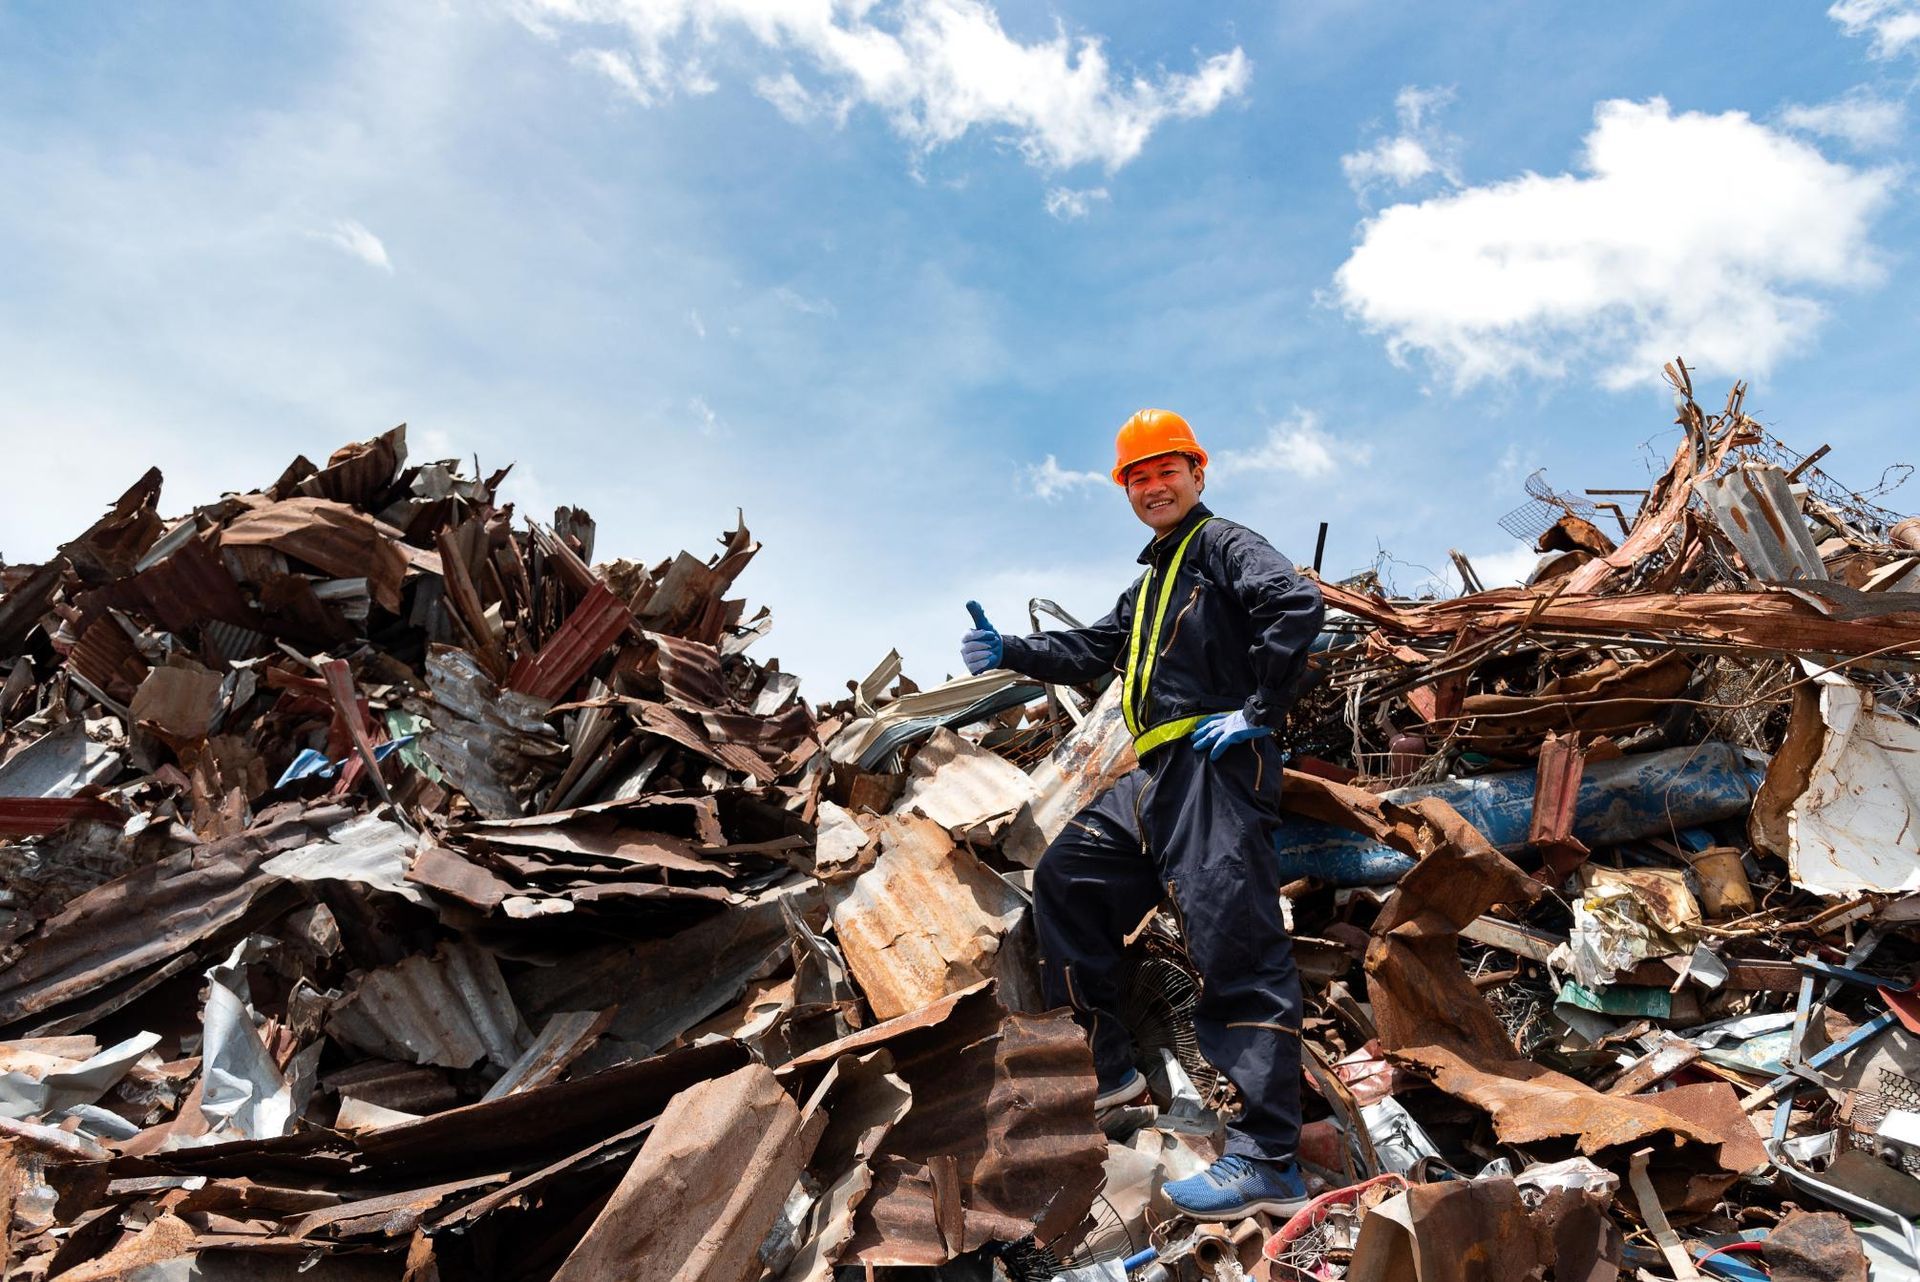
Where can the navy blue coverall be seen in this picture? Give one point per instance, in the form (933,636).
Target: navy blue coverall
(1218,621)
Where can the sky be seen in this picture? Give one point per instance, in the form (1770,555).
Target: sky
(886,275)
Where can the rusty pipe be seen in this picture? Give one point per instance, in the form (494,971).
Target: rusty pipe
(1221,1252)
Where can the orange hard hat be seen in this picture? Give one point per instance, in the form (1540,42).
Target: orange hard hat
(1149,434)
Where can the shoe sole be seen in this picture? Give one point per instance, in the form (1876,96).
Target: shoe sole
(1135,1093)
(1279,1208)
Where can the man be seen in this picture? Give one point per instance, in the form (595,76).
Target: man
(1211,642)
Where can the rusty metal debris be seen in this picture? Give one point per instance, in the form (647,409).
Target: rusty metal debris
(1656,777)
(460,897)
(394,890)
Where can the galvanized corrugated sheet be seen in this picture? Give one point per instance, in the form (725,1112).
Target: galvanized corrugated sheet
(1757,511)
(58,764)
(452,1009)
(369,850)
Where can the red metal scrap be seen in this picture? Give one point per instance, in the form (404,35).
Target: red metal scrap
(38,816)
(596,623)
(1556,793)
(351,710)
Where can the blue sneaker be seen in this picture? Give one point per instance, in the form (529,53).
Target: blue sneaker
(1235,1187)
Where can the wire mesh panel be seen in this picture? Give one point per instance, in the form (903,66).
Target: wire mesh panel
(1533,519)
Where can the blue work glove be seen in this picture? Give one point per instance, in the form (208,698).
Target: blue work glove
(1222,730)
(980,646)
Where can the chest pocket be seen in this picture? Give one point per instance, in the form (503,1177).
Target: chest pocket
(1144,648)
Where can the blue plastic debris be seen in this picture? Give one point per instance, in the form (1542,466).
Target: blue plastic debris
(315,765)
(1620,800)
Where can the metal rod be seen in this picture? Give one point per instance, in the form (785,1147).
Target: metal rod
(1808,462)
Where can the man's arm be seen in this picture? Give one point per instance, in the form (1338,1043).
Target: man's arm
(1074,656)
(1286,611)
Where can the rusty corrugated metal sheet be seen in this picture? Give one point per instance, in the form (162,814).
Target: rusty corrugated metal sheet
(1815,616)
(516,1131)
(330,536)
(1008,1099)
(152,915)
(670,723)
(22,607)
(698,1200)
(181,592)
(1556,794)
(597,622)
(105,655)
(112,545)
(926,920)
(690,671)
(360,472)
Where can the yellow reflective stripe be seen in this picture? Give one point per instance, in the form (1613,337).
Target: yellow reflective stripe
(1166,599)
(1128,686)
(1143,744)
(1139,681)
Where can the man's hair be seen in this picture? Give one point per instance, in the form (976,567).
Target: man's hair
(1193,461)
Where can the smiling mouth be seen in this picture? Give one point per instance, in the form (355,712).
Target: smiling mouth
(1159,503)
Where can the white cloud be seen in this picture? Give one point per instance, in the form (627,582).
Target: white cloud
(1688,234)
(1420,150)
(789,97)
(1859,119)
(936,68)
(1893,24)
(1503,567)
(351,237)
(698,326)
(1297,446)
(618,68)
(1050,481)
(1067,204)
(704,418)
(805,306)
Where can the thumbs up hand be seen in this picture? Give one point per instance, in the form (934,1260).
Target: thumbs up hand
(980,646)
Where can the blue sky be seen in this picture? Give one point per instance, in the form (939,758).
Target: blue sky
(863,269)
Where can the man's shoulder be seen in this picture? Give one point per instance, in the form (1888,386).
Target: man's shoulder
(1223,531)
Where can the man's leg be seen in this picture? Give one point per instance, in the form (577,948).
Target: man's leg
(1211,826)
(1092,886)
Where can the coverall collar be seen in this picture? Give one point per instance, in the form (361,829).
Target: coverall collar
(1172,537)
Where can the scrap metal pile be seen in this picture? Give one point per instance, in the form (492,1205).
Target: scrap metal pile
(390,892)
(1635,895)
(394,892)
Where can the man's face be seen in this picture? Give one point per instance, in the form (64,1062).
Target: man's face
(1163,490)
